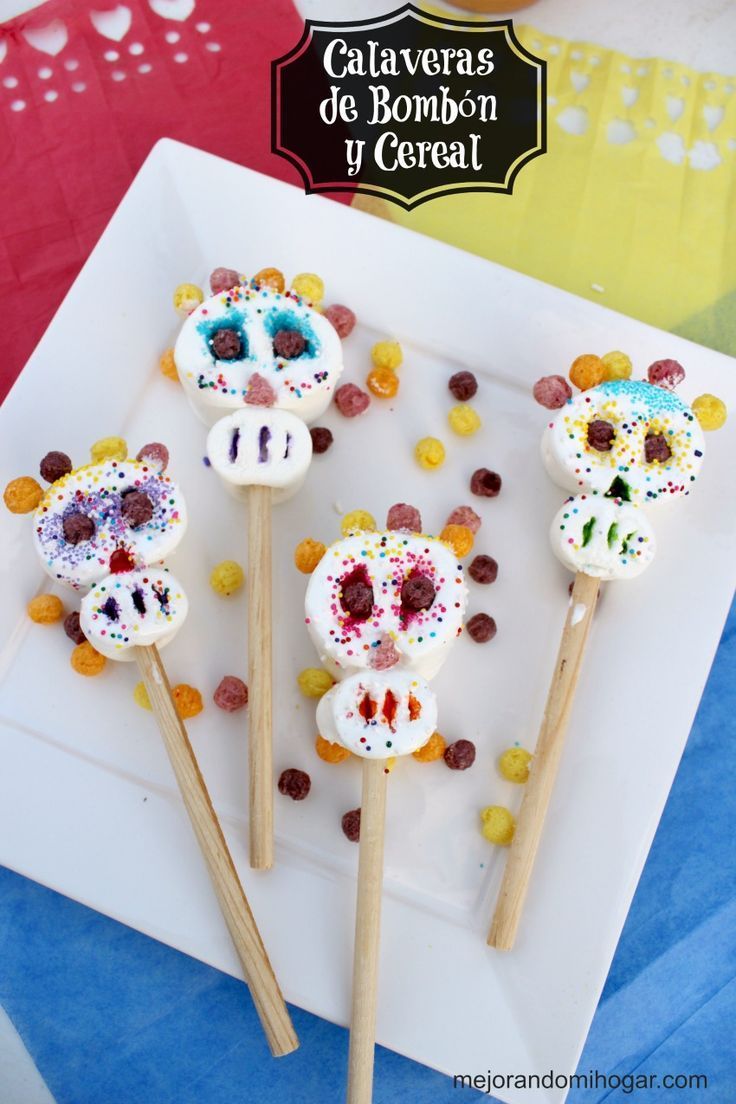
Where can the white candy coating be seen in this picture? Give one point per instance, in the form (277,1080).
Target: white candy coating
(131,610)
(260,446)
(379,714)
(602,537)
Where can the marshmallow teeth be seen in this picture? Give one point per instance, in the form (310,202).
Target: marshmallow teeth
(377,599)
(260,447)
(626,438)
(252,344)
(137,609)
(602,537)
(379,714)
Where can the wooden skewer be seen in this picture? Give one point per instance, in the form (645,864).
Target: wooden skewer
(367,933)
(260,741)
(258,972)
(543,771)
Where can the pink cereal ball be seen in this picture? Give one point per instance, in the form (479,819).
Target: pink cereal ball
(404,517)
(342,318)
(155,455)
(351,401)
(222,279)
(552,392)
(231,694)
(666,373)
(465,515)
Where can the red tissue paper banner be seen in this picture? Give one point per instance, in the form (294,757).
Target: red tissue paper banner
(86,89)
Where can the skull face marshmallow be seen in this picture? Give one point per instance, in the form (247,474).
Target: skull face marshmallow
(378,714)
(261,447)
(136,609)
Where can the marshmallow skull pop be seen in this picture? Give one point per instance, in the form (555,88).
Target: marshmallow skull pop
(621,447)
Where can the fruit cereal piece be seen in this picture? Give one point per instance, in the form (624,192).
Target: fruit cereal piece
(155,455)
(55,465)
(109,448)
(587,371)
(321,439)
(342,318)
(45,609)
(403,517)
(463,385)
(552,392)
(514,764)
(433,749)
(485,483)
(330,753)
(387,354)
(227,578)
(260,392)
(460,755)
(460,539)
(314,682)
(188,700)
(350,400)
(73,629)
(309,286)
(87,661)
(187,298)
(22,495)
(430,453)
(351,825)
(222,279)
(666,373)
(383,382)
(617,366)
(294,783)
(386,655)
(167,365)
(271,277)
(497,825)
(483,569)
(465,515)
(140,696)
(357,521)
(710,411)
(464,420)
(307,555)
(231,694)
(289,344)
(481,628)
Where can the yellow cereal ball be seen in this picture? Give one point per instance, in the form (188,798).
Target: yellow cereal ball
(616,366)
(167,365)
(464,420)
(227,578)
(187,298)
(433,749)
(22,495)
(45,609)
(307,555)
(309,286)
(387,354)
(86,660)
(109,448)
(587,371)
(331,753)
(271,277)
(710,411)
(357,521)
(314,682)
(430,453)
(514,764)
(383,382)
(140,696)
(460,539)
(497,825)
(187,700)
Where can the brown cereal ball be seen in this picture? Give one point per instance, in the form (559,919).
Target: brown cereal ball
(295,784)
(463,385)
(22,495)
(481,628)
(73,629)
(485,483)
(351,825)
(483,569)
(55,465)
(321,439)
(87,661)
(460,755)
(187,700)
(45,609)
(432,750)
(330,753)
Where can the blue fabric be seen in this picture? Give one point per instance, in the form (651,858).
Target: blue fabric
(112,1016)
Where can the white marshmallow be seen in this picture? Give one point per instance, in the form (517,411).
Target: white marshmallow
(131,610)
(379,714)
(602,537)
(260,446)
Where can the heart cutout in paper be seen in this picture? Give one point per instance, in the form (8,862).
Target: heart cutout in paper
(50,39)
(113,24)
(172,9)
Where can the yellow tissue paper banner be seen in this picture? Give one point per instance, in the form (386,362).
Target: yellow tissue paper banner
(633,205)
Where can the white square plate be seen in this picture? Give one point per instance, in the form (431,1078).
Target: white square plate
(87,802)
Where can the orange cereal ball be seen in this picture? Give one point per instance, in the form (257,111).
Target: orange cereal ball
(331,753)
(86,660)
(460,539)
(309,286)
(387,354)
(272,278)
(167,365)
(587,371)
(514,764)
(45,609)
(187,700)
(383,382)
(432,750)
(307,555)
(22,495)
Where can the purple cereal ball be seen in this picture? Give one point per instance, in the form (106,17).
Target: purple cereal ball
(460,755)
(466,516)
(289,344)
(136,508)
(552,392)
(295,784)
(351,825)
(222,279)
(485,483)
(481,628)
(483,569)
(402,516)
(73,629)
(155,455)
(231,694)
(321,439)
(666,373)
(342,318)
(350,400)
(226,344)
(463,385)
(55,465)
(77,527)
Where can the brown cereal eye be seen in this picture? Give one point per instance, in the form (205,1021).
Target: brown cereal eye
(136,508)
(656,448)
(600,435)
(418,593)
(289,344)
(356,596)
(481,628)
(295,784)
(351,825)
(55,465)
(485,483)
(460,755)
(226,344)
(78,527)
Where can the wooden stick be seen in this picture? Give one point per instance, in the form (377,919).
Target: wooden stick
(367,933)
(538,789)
(260,740)
(264,988)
